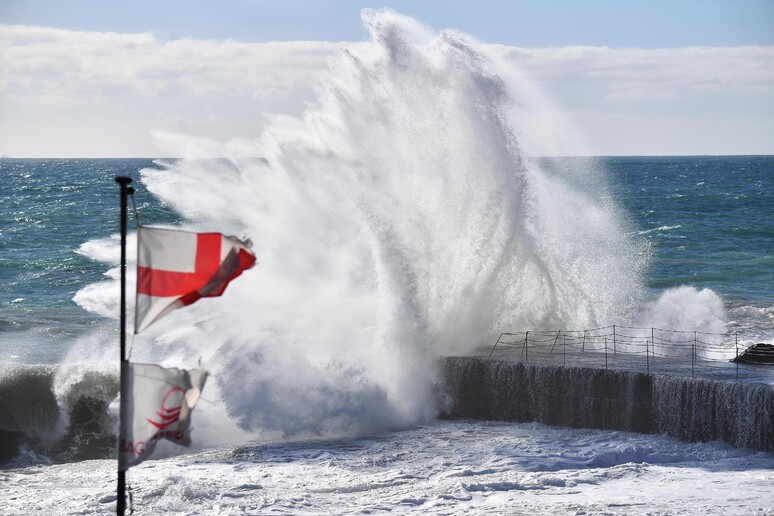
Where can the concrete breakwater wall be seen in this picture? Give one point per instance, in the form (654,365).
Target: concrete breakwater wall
(740,413)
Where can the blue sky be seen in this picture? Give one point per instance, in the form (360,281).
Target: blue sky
(97,78)
(619,23)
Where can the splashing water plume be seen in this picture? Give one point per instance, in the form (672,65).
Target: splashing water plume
(398,220)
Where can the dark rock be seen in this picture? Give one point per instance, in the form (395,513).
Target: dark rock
(757,354)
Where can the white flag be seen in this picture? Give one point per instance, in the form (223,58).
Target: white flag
(176,268)
(157,404)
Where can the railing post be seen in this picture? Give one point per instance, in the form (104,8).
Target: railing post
(583,346)
(614,339)
(693,352)
(558,333)
(495,346)
(647,358)
(606,353)
(736,338)
(526,348)
(564,348)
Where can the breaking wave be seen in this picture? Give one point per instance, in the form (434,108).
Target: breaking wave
(42,420)
(399,219)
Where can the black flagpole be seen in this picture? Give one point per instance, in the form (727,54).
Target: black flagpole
(126,191)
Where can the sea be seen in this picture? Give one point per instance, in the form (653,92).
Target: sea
(401,219)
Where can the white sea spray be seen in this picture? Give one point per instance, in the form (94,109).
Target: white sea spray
(401,218)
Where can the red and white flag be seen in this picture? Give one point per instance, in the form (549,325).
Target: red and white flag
(176,268)
(156,404)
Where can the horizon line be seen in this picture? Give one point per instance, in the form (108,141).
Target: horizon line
(6,157)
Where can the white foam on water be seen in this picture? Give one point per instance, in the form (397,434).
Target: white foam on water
(684,310)
(448,467)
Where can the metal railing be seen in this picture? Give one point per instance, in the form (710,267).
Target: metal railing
(654,345)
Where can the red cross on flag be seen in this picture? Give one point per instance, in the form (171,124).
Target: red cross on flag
(176,268)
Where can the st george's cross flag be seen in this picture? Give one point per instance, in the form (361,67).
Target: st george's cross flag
(176,268)
(156,404)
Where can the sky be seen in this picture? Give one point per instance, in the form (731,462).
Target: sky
(95,78)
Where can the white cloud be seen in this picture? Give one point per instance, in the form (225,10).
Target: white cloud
(675,134)
(59,64)
(69,93)
(635,73)
(61,91)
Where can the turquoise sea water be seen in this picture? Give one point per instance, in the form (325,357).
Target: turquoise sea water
(709,221)
(48,209)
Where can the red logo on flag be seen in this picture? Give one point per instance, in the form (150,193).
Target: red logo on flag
(169,415)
